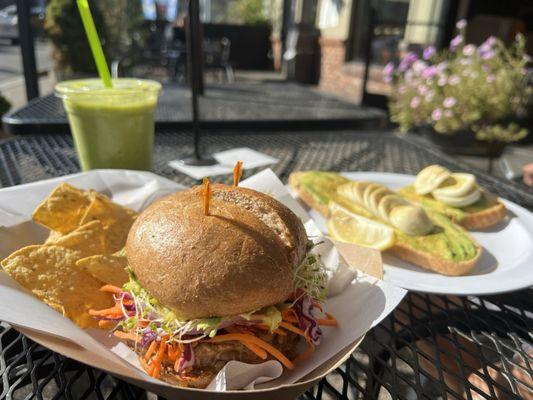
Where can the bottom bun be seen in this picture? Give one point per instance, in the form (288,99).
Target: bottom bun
(210,358)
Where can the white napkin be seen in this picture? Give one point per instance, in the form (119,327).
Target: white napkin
(225,162)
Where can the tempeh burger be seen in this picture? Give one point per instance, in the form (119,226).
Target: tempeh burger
(218,273)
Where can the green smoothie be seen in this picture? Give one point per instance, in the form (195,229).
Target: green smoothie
(112,128)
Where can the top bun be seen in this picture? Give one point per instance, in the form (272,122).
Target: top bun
(238,258)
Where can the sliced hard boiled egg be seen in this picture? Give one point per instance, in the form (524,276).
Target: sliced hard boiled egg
(461,201)
(430,178)
(457,185)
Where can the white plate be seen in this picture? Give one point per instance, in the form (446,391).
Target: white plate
(505,265)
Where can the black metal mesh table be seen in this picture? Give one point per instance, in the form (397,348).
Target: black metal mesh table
(430,347)
(240,105)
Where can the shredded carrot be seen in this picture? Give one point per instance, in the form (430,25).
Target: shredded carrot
(331,321)
(174,352)
(151,350)
(317,305)
(145,366)
(241,337)
(111,289)
(259,352)
(292,328)
(289,316)
(206,195)
(237,173)
(305,355)
(290,319)
(113,310)
(125,335)
(106,324)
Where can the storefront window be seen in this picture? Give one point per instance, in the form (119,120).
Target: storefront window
(399,25)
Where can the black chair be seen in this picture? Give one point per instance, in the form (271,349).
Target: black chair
(217,56)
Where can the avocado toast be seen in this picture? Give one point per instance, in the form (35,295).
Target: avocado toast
(448,249)
(469,205)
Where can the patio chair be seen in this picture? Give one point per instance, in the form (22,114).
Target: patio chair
(217,56)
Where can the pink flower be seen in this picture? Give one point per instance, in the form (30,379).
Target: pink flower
(430,71)
(415,102)
(449,102)
(491,78)
(442,80)
(461,24)
(454,80)
(402,89)
(387,72)
(469,50)
(436,115)
(423,90)
(419,66)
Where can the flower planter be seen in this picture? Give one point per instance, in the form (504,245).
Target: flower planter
(462,143)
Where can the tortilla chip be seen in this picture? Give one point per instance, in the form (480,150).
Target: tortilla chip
(88,239)
(50,273)
(63,209)
(116,219)
(107,269)
(52,237)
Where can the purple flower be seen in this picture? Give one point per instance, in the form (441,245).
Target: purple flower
(429,52)
(406,62)
(387,72)
(491,78)
(419,66)
(488,55)
(461,24)
(430,72)
(469,50)
(436,115)
(456,42)
(415,102)
(486,50)
(449,102)
(488,44)
(454,80)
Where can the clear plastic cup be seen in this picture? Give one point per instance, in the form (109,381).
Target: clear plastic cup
(112,128)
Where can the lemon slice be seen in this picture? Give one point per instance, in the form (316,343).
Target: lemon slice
(461,185)
(430,178)
(352,228)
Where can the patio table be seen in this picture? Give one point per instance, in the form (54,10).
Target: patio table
(426,349)
(239,105)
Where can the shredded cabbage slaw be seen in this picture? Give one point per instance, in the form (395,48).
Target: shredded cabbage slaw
(168,340)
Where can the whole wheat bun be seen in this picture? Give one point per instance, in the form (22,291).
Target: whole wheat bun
(238,258)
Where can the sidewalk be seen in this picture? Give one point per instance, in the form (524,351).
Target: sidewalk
(15,90)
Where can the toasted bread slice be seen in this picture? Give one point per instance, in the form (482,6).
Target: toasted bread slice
(406,248)
(486,212)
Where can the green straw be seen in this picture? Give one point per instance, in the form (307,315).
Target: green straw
(94,42)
